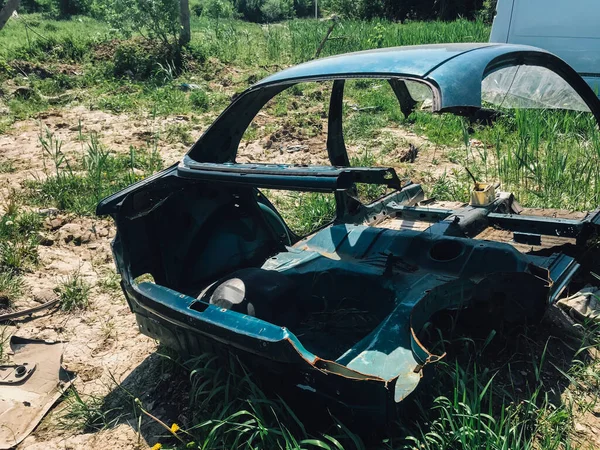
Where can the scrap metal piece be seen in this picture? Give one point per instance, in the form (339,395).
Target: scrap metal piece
(16,373)
(407,103)
(483,194)
(527,238)
(584,305)
(561,270)
(24,402)
(334,20)
(29,311)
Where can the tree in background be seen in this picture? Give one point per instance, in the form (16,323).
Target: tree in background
(304,8)
(215,9)
(273,10)
(60,9)
(405,9)
(185,35)
(488,11)
(165,20)
(156,20)
(165,27)
(31,6)
(6,10)
(159,16)
(68,8)
(249,9)
(276,10)
(345,8)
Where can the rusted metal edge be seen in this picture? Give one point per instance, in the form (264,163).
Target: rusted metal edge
(28,312)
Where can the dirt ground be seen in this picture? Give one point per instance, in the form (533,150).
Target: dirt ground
(102,344)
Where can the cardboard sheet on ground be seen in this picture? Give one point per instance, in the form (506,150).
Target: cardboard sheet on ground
(25,401)
(583,305)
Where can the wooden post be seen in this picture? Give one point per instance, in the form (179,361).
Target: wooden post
(184,17)
(334,20)
(5,13)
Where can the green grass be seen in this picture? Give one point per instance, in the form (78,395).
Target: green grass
(445,129)
(200,100)
(44,38)
(303,212)
(178,133)
(362,126)
(367,193)
(87,48)
(489,408)
(7,167)
(11,286)
(548,159)
(73,293)
(231,410)
(78,186)
(296,41)
(84,413)
(18,249)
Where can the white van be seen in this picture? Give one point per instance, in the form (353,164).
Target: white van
(569,29)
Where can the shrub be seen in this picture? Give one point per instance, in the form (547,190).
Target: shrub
(68,8)
(11,286)
(32,6)
(141,59)
(304,8)
(6,71)
(406,9)
(18,241)
(276,10)
(103,174)
(194,53)
(345,8)
(199,100)
(488,11)
(197,8)
(73,293)
(273,10)
(217,9)
(156,20)
(249,9)
(68,47)
(57,8)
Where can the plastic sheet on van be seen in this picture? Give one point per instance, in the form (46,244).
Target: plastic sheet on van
(530,87)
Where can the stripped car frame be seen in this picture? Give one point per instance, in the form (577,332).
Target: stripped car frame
(228,273)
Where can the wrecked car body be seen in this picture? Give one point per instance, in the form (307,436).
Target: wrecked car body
(337,313)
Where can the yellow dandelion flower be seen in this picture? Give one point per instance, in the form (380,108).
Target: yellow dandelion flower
(175,428)
(156,446)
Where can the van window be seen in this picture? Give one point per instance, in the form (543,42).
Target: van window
(551,19)
(530,87)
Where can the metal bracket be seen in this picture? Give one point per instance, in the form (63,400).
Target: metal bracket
(15,373)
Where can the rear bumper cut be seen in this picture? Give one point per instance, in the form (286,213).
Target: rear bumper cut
(270,351)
